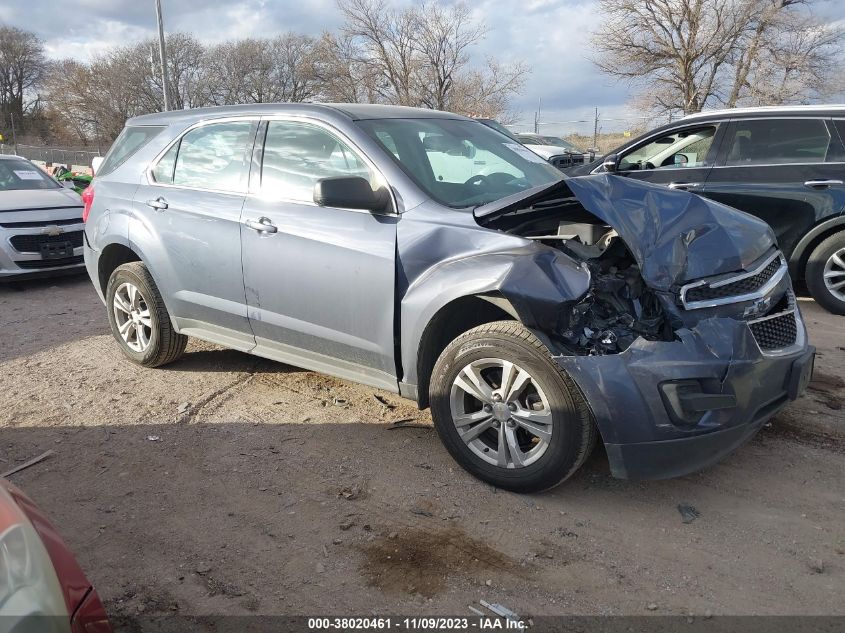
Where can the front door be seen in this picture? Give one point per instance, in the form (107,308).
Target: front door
(680,159)
(319,281)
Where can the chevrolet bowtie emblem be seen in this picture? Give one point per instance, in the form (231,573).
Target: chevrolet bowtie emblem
(52,230)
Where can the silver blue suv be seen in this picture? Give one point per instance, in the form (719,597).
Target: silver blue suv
(427,254)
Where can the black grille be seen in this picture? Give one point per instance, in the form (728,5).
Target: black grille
(736,288)
(776,333)
(49,263)
(562,162)
(32,243)
(37,223)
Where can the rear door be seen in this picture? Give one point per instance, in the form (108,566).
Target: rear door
(680,158)
(320,281)
(786,171)
(189,229)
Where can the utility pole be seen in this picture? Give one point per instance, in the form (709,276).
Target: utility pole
(537,116)
(163,53)
(596,128)
(14,134)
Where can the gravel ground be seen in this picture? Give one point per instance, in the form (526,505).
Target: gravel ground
(226,484)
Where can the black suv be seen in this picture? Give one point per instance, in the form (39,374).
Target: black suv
(785,165)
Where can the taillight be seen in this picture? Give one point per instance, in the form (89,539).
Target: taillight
(87,201)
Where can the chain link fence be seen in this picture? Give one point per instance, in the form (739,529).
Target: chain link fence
(53,155)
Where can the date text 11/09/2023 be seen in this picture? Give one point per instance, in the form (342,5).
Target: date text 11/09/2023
(481,623)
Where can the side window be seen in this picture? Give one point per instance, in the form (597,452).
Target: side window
(163,172)
(778,142)
(212,157)
(685,148)
(297,155)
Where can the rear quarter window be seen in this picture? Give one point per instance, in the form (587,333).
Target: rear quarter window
(130,140)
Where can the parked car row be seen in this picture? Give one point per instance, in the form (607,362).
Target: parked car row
(453,262)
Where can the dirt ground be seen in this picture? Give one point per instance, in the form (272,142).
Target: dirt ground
(226,484)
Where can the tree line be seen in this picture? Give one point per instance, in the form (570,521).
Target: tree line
(678,56)
(415,56)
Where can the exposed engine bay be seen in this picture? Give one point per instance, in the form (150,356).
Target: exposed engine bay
(619,307)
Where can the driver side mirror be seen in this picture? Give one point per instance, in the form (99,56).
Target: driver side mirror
(610,163)
(350,192)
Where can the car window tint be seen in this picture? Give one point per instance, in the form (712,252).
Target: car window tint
(163,171)
(778,142)
(297,155)
(681,149)
(213,157)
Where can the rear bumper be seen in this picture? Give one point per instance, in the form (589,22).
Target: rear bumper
(648,436)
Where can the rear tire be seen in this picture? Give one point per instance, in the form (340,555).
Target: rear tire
(139,321)
(537,428)
(825,274)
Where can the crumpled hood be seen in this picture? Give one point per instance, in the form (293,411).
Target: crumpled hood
(675,236)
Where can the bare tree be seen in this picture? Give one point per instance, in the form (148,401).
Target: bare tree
(22,67)
(687,54)
(418,56)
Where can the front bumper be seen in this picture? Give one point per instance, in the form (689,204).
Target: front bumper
(641,429)
(16,265)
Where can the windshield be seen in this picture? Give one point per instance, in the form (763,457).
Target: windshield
(21,175)
(460,163)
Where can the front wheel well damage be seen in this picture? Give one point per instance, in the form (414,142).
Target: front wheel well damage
(452,320)
(113,255)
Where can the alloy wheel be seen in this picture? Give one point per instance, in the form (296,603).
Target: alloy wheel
(834,274)
(132,316)
(501,413)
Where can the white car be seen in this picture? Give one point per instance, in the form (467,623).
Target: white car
(40,223)
(557,151)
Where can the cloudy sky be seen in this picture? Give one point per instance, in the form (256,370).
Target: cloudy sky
(551,35)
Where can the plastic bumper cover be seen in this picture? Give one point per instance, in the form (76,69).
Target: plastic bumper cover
(641,429)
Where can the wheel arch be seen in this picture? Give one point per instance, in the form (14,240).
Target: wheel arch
(815,236)
(450,321)
(113,255)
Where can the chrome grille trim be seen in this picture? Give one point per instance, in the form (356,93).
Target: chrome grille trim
(761,292)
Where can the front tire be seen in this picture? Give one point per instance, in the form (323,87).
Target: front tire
(507,412)
(825,274)
(139,321)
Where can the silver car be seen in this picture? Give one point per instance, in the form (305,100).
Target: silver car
(427,254)
(40,223)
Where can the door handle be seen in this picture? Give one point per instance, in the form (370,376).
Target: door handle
(684,185)
(823,183)
(159,204)
(262,225)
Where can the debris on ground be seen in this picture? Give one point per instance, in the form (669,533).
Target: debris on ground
(500,610)
(651,606)
(153,438)
(383,402)
(340,402)
(407,423)
(689,513)
(350,492)
(27,464)
(183,408)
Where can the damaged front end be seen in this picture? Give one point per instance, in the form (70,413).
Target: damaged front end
(688,337)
